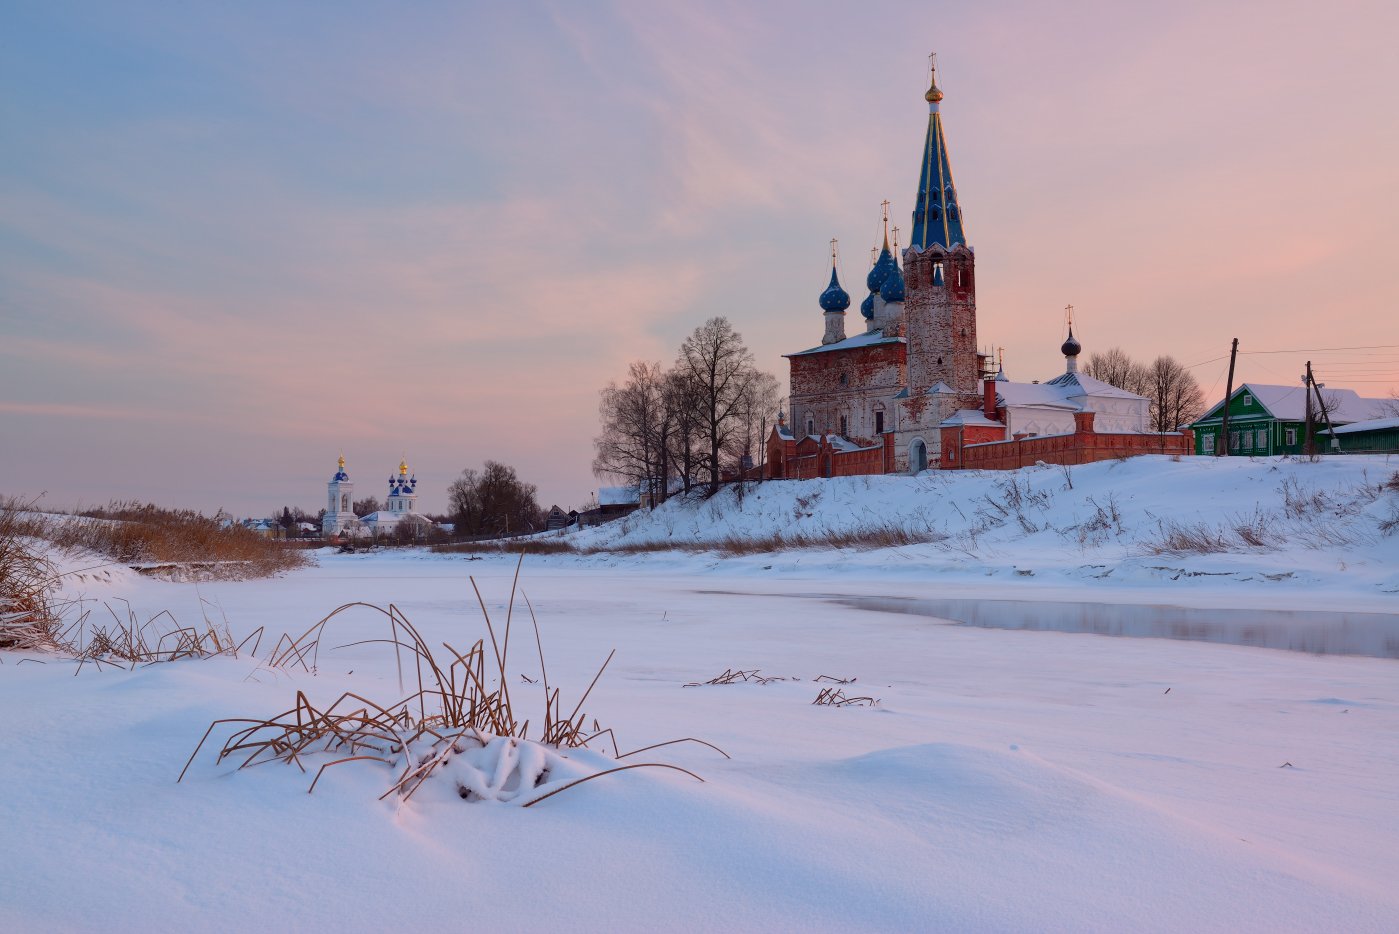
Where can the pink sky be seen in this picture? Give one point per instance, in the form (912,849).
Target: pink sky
(236,243)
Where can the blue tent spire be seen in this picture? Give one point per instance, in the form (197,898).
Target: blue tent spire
(937,217)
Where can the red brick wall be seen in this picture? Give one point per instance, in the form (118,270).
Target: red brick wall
(1077,448)
(872,374)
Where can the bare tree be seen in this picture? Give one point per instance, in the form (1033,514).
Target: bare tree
(1388,408)
(367,505)
(494,501)
(634,424)
(1115,368)
(715,357)
(1176,397)
(756,411)
(684,403)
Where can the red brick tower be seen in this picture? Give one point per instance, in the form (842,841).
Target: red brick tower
(940,274)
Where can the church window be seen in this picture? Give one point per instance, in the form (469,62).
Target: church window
(345,502)
(843,431)
(939,361)
(879,423)
(810,424)
(845,379)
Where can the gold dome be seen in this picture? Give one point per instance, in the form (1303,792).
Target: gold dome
(342,461)
(403,467)
(934,95)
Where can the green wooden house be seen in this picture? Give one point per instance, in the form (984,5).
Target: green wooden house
(1373,436)
(1266,419)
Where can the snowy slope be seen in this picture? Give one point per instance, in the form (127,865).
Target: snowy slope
(1308,529)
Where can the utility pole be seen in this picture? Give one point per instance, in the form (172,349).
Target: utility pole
(1325,411)
(1222,447)
(1308,445)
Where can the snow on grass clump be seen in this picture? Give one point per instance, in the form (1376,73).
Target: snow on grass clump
(460,725)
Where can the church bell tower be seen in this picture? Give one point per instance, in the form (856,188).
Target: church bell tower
(340,499)
(940,273)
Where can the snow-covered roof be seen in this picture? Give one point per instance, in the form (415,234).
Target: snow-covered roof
(868,339)
(1066,392)
(1081,384)
(618,496)
(1289,403)
(971,417)
(1037,394)
(1369,424)
(386,518)
(941,388)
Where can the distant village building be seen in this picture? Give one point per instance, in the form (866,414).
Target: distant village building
(615,501)
(912,391)
(400,512)
(339,513)
(1267,419)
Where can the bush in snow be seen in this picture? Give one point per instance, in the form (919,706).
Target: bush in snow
(460,725)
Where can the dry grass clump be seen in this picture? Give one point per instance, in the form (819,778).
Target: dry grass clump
(143,533)
(28,619)
(835,697)
(128,642)
(460,722)
(734,676)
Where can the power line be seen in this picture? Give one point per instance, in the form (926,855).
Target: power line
(1325,349)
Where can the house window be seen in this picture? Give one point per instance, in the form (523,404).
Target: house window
(1247,440)
(1263,439)
(1207,444)
(1248,400)
(1233,440)
(1291,436)
(879,423)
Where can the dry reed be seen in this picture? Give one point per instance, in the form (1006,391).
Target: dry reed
(460,720)
(142,533)
(28,618)
(835,697)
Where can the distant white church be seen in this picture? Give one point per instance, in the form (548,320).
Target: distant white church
(401,506)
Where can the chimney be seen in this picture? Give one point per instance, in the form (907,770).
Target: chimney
(988,391)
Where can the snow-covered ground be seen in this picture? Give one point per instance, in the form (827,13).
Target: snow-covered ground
(1007,780)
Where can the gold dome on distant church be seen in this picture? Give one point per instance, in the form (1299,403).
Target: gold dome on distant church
(403,467)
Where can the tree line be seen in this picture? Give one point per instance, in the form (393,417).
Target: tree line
(696,422)
(1175,394)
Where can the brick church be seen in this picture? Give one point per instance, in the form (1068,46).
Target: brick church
(910,391)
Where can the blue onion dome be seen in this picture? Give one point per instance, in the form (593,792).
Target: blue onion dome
(880,271)
(1071,346)
(834,298)
(893,288)
(867,306)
